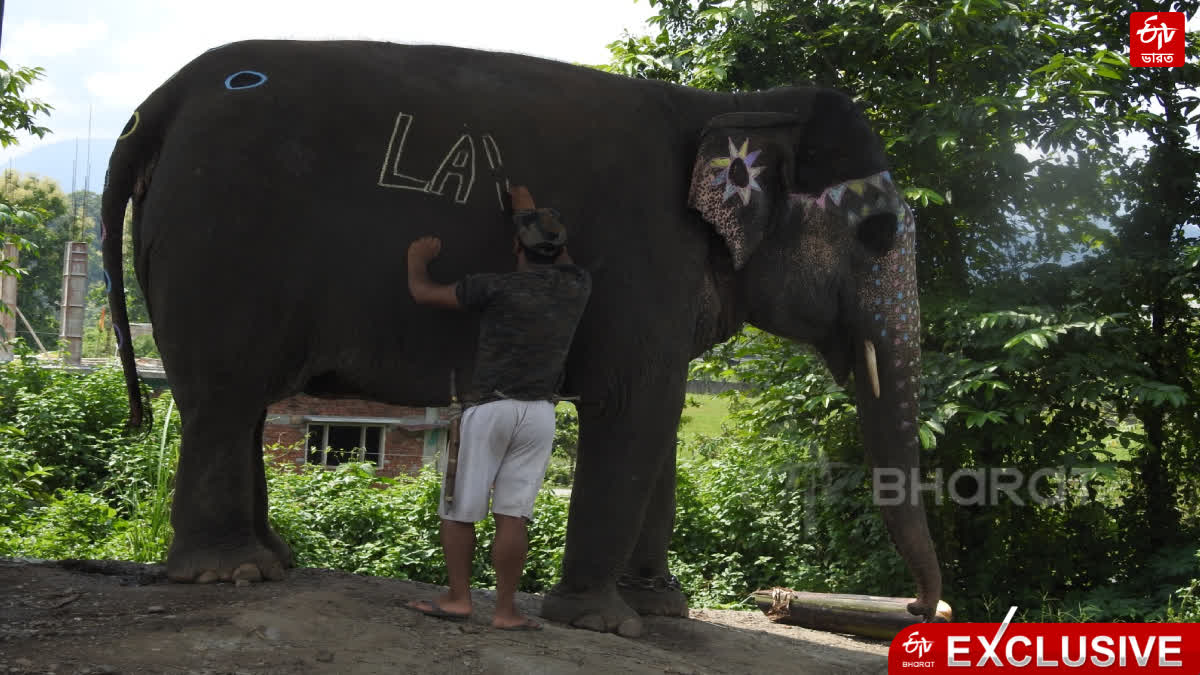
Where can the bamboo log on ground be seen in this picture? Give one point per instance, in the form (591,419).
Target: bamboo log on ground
(865,615)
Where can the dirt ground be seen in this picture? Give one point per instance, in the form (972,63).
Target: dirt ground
(99,617)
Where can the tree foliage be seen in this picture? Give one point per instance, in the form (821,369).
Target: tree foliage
(45,235)
(18,113)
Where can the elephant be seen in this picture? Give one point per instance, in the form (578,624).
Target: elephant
(276,185)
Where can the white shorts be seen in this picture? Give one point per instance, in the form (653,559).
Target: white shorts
(504,449)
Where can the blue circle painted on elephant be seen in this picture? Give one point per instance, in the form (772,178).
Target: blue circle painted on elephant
(246,79)
(107,282)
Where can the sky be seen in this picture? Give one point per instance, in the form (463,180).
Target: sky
(110,54)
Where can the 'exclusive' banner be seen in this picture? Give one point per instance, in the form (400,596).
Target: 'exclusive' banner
(1062,647)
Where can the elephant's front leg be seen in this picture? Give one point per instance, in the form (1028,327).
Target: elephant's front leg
(646,583)
(623,447)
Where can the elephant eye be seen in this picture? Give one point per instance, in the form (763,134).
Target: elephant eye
(878,233)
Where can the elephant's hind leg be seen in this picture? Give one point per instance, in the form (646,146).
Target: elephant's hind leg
(219,508)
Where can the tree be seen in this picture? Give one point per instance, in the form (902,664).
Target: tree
(17,114)
(46,235)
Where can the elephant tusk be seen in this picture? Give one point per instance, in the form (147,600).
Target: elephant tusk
(872,367)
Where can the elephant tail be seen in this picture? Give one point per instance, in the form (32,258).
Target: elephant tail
(128,176)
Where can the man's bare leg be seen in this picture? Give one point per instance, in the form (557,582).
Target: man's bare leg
(508,557)
(458,545)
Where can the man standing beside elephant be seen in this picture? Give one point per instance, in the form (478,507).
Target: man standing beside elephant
(527,321)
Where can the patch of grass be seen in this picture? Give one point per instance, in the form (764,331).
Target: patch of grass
(705,417)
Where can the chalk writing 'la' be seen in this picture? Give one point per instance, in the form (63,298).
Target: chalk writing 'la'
(458,165)
(1161,32)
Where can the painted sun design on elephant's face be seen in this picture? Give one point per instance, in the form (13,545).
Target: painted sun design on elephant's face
(738,172)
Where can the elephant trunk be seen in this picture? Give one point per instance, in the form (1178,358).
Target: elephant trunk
(888,416)
(887,366)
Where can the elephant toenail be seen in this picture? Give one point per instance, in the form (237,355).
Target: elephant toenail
(208,577)
(630,628)
(247,572)
(591,622)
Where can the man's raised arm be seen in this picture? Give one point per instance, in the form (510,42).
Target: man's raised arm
(423,289)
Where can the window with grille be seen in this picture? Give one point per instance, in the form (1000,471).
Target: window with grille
(334,444)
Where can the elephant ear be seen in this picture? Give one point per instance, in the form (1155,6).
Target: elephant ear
(742,175)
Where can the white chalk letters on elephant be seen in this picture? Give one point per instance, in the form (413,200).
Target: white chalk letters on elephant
(458,165)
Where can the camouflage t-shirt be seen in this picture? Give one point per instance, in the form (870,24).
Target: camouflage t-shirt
(525,329)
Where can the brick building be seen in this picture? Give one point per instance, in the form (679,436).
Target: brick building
(396,439)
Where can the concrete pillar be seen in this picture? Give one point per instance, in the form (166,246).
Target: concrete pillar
(435,438)
(74,298)
(8,295)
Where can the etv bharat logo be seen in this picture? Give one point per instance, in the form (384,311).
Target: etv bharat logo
(1156,39)
(917,645)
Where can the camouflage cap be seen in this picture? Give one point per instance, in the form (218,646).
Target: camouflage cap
(540,230)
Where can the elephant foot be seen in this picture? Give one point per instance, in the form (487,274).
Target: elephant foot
(601,611)
(657,596)
(209,564)
(921,609)
(931,612)
(656,603)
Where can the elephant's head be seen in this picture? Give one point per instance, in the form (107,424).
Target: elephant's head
(822,245)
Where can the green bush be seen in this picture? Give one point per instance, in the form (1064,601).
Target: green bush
(66,421)
(353,520)
(70,477)
(141,481)
(561,470)
(1188,599)
(70,525)
(747,520)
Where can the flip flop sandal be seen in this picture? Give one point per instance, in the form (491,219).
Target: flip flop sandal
(437,612)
